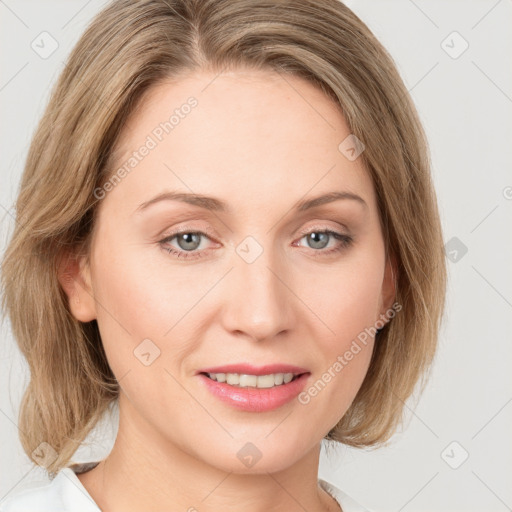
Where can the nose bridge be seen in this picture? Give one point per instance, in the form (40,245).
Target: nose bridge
(258,300)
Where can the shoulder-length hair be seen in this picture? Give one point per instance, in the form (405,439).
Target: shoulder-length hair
(131,46)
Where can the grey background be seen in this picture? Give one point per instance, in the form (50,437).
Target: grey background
(465,104)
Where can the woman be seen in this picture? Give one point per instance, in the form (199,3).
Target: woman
(226,226)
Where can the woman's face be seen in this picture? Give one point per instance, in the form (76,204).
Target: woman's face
(251,281)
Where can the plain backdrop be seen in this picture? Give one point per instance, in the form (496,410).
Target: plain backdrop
(455,452)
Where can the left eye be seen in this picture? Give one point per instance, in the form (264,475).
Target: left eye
(320,240)
(189,241)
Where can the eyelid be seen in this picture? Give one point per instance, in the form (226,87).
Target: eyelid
(321,226)
(188,229)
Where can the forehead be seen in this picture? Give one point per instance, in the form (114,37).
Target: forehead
(259,133)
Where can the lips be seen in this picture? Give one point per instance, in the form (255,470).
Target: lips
(247,397)
(249,369)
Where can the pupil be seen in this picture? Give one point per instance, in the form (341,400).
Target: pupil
(315,236)
(188,238)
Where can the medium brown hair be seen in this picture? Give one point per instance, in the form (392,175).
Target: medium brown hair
(128,48)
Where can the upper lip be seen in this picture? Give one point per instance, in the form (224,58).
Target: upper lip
(249,369)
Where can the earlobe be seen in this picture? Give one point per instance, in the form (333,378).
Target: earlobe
(75,279)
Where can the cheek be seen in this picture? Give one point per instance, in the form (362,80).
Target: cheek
(126,301)
(130,285)
(141,308)
(345,358)
(346,298)
(345,335)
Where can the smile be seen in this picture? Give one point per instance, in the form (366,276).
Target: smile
(254,393)
(257,381)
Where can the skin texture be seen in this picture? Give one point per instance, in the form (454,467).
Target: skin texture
(260,142)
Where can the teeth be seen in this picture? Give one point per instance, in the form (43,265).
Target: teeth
(257,381)
(233,378)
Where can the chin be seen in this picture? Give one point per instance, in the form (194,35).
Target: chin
(261,456)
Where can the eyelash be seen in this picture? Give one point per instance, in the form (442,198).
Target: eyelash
(345,242)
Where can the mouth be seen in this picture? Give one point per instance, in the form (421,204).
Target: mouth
(260,391)
(244,380)
(254,393)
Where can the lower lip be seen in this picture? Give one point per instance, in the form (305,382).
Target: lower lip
(254,399)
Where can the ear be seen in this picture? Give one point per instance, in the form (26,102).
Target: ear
(75,278)
(388,292)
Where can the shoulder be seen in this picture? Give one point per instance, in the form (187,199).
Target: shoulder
(347,503)
(62,494)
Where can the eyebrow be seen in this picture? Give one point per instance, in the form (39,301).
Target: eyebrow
(216,205)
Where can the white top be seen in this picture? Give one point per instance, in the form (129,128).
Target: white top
(65,493)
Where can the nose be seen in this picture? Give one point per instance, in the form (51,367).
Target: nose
(258,301)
